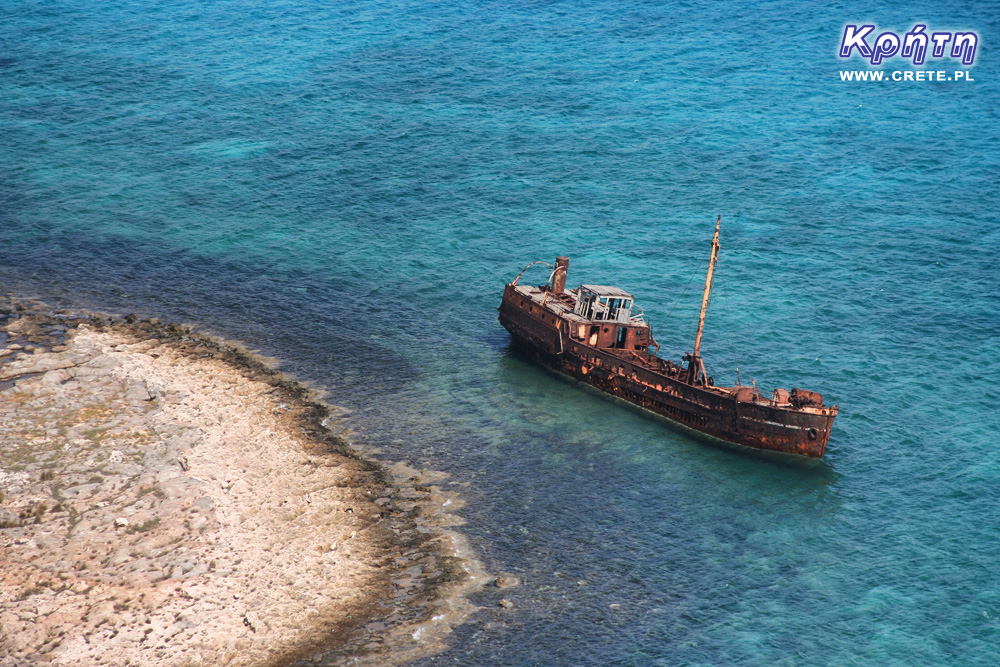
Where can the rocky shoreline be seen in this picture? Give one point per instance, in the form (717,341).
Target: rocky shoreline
(170,499)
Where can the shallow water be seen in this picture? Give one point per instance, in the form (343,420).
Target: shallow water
(348,187)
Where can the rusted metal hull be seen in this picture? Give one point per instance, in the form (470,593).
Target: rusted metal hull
(709,411)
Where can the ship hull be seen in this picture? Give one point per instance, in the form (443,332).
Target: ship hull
(712,413)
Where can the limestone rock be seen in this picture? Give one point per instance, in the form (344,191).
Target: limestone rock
(136,559)
(506,581)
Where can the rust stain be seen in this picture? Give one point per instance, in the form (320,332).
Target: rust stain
(593,333)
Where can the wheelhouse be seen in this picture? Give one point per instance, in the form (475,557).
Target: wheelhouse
(605,319)
(601,303)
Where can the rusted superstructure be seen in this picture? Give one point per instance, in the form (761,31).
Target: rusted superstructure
(596,334)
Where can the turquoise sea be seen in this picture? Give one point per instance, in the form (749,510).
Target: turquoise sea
(348,185)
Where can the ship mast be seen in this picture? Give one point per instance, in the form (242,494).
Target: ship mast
(696,368)
(708,288)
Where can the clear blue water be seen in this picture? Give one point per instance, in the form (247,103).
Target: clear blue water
(347,186)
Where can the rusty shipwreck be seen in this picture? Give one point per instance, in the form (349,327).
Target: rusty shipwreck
(596,334)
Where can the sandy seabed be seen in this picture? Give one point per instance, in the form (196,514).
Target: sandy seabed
(168,499)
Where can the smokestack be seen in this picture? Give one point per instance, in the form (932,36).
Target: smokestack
(559,276)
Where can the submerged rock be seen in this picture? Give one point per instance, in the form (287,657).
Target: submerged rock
(506,581)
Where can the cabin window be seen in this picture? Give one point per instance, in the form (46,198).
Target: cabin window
(594,330)
(613,305)
(585,305)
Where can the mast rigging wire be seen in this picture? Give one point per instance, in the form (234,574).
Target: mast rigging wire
(732,335)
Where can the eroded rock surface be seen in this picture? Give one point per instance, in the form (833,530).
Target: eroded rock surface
(164,508)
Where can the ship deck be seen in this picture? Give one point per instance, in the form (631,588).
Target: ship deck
(562,306)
